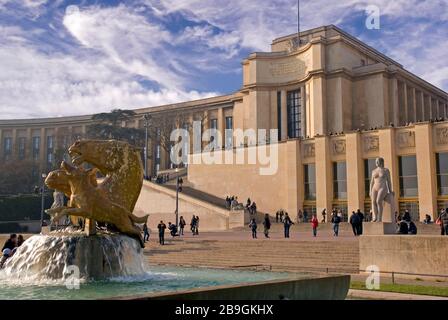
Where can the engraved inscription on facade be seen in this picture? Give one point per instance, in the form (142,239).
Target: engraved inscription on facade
(279,69)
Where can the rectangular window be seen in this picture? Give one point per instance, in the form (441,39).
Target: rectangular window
(310,181)
(442,173)
(50,150)
(369,166)
(22,145)
(408,176)
(7,148)
(294,114)
(340,180)
(229,137)
(279,115)
(214,124)
(36,148)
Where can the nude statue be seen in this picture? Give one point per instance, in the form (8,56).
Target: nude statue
(380,190)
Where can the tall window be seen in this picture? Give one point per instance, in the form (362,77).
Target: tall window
(294,113)
(50,150)
(36,148)
(7,148)
(214,124)
(369,166)
(442,173)
(340,180)
(22,142)
(408,176)
(279,115)
(310,181)
(229,137)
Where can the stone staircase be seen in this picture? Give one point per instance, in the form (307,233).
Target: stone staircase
(292,256)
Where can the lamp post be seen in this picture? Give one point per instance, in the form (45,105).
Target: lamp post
(146,118)
(178,189)
(42,203)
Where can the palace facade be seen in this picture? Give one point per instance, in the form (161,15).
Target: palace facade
(337,104)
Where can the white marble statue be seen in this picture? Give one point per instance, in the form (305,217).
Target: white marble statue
(381,191)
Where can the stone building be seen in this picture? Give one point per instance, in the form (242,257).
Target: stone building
(337,104)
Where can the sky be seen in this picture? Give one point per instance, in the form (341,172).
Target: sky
(64,57)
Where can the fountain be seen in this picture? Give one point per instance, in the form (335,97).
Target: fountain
(110,262)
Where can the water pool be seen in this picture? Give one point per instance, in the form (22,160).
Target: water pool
(158,279)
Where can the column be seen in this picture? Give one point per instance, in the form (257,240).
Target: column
(387,151)
(414,102)
(396,115)
(426,171)
(324,179)
(284,116)
(405,101)
(355,172)
(221,125)
(294,177)
(303,111)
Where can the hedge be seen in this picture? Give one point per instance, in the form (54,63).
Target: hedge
(23,207)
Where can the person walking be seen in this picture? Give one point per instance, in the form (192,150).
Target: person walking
(145,233)
(314,224)
(253,227)
(161,227)
(336,220)
(267,225)
(197,226)
(193,225)
(287,223)
(277,215)
(182,225)
(324,215)
(354,221)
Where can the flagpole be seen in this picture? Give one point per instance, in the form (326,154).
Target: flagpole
(298,22)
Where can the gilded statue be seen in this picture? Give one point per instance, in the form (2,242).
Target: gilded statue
(110,200)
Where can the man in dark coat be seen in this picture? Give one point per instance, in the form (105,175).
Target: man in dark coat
(11,243)
(361,221)
(161,228)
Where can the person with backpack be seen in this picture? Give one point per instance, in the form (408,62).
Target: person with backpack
(314,224)
(361,221)
(287,223)
(335,220)
(267,225)
(253,227)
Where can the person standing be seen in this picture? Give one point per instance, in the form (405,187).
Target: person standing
(305,216)
(277,215)
(253,227)
(287,222)
(336,220)
(145,233)
(282,214)
(161,228)
(361,221)
(314,224)
(267,225)
(182,225)
(193,225)
(444,222)
(299,216)
(354,221)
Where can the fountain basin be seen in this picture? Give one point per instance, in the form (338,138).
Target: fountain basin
(57,256)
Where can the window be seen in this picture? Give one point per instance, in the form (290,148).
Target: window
(279,115)
(36,148)
(50,150)
(408,176)
(340,180)
(229,136)
(7,148)
(369,166)
(442,173)
(22,142)
(214,124)
(294,114)
(310,181)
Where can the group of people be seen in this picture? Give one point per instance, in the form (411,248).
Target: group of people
(9,248)
(232,203)
(175,231)
(356,221)
(251,207)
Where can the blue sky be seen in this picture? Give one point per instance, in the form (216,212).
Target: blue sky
(61,57)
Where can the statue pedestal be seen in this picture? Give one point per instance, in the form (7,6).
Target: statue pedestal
(379,228)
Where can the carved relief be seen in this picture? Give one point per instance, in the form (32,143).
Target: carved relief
(371,144)
(309,150)
(339,147)
(406,139)
(442,136)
